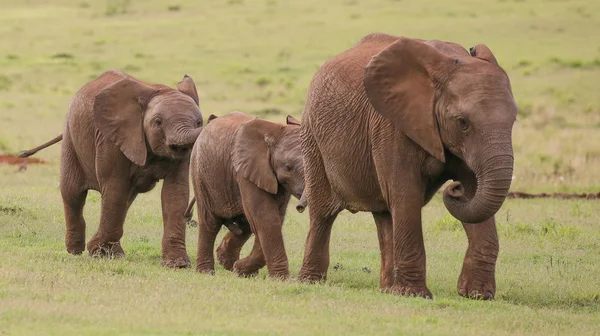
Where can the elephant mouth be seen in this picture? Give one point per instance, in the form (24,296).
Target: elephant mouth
(180,151)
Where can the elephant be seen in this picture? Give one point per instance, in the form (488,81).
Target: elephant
(244,171)
(385,125)
(122,136)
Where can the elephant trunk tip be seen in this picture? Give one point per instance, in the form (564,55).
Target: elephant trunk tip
(301,206)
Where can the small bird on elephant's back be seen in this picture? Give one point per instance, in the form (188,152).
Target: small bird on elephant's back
(385,125)
(121,136)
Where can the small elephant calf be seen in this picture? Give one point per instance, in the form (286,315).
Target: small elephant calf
(244,170)
(122,136)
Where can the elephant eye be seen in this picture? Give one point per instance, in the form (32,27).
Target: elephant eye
(158,122)
(463,123)
(199,123)
(289,168)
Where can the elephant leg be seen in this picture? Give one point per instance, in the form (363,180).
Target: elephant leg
(229,250)
(72,184)
(73,202)
(408,248)
(477,279)
(384,223)
(322,209)
(250,265)
(263,213)
(208,228)
(316,252)
(116,199)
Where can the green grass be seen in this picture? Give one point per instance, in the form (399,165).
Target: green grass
(258,57)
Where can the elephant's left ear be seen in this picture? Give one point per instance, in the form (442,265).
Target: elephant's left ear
(188,87)
(399,82)
(251,154)
(481,51)
(292,121)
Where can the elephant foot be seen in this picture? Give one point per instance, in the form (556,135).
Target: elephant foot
(178,262)
(280,275)
(75,241)
(205,270)
(176,259)
(312,278)
(247,268)
(75,246)
(411,291)
(226,259)
(111,250)
(477,281)
(228,252)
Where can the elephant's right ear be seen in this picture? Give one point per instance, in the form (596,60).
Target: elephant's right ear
(399,84)
(251,154)
(119,113)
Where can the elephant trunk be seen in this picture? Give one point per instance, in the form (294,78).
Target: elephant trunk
(302,203)
(185,137)
(493,169)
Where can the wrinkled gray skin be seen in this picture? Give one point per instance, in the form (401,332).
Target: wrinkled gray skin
(122,136)
(388,122)
(244,171)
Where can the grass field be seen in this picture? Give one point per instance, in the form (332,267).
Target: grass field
(258,57)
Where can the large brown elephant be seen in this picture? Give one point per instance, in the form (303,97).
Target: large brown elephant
(386,123)
(122,136)
(244,171)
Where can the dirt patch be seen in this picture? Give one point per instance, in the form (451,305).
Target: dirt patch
(15,160)
(590,196)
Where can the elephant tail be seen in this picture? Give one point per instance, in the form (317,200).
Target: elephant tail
(189,213)
(32,151)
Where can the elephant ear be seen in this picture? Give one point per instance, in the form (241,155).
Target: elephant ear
(292,121)
(188,87)
(399,82)
(119,113)
(211,118)
(251,154)
(481,51)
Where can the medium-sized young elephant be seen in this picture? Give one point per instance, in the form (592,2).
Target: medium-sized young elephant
(244,170)
(121,137)
(385,125)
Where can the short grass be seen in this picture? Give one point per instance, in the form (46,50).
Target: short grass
(258,57)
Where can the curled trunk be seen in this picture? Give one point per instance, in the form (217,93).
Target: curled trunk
(185,137)
(493,175)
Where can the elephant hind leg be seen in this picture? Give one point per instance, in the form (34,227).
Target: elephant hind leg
(250,265)
(231,245)
(208,228)
(74,192)
(384,223)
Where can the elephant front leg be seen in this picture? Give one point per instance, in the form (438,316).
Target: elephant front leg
(106,242)
(174,199)
(408,249)
(262,212)
(477,279)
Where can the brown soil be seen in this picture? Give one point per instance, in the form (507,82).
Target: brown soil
(15,160)
(517,194)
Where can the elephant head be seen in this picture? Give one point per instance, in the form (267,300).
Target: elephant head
(456,107)
(139,117)
(269,155)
